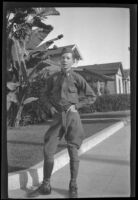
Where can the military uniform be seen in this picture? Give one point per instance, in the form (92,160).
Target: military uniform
(62,92)
(61,95)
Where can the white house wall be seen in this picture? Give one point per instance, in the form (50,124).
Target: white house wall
(128,86)
(111,87)
(119,86)
(119,72)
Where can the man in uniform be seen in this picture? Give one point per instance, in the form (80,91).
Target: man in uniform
(62,100)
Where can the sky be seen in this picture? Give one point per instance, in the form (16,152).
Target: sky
(101,34)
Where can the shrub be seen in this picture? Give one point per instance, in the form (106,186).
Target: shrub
(35,113)
(86,109)
(112,102)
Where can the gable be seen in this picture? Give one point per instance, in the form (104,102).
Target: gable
(119,72)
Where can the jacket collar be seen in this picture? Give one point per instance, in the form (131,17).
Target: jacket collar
(66,73)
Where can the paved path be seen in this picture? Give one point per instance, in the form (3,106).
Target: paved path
(104,171)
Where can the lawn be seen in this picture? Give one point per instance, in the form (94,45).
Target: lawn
(25,144)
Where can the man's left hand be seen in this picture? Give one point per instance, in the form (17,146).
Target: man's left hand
(91,100)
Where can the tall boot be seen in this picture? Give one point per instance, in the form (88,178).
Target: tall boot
(74,168)
(45,187)
(48,168)
(73,189)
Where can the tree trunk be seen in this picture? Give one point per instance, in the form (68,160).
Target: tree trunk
(18,116)
(20,109)
(11,115)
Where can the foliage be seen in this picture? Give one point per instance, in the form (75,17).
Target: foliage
(35,112)
(84,105)
(25,31)
(114,102)
(107,102)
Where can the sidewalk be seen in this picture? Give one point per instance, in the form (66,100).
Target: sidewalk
(104,171)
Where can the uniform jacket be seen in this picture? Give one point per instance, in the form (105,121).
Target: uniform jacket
(62,90)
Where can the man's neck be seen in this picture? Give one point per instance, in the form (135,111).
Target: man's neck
(67,71)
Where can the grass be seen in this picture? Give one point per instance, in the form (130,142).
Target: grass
(25,144)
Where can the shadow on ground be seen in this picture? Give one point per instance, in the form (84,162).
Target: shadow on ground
(104,159)
(15,168)
(63,192)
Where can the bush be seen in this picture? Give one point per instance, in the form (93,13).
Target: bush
(34,113)
(86,109)
(115,102)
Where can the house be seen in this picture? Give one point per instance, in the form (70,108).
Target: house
(103,78)
(96,80)
(93,78)
(126,81)
(112,70)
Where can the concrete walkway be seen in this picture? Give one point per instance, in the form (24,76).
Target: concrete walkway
(104,171)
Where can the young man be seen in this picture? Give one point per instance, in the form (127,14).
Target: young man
(62,100)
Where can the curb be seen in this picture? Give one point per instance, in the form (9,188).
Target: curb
(118,114)
(34,175)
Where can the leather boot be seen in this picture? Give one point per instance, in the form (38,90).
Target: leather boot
(43,189)
(73,190)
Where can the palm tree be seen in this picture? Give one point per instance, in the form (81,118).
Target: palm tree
(25,31)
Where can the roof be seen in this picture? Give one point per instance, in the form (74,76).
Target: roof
(100,76)
(58,50)
(105,69)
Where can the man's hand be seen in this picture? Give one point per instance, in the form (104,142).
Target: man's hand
(53,110)
(72,108)
(91,99)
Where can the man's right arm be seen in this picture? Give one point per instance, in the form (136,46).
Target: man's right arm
(45,93)
(45,96)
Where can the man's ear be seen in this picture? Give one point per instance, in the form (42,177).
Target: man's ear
(74,63)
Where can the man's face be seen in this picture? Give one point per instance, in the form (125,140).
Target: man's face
(66,61)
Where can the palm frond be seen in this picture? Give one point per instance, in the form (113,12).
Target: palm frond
(29,100)
(37,36)
(44,12)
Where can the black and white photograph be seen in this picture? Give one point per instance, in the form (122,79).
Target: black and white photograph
(68,101)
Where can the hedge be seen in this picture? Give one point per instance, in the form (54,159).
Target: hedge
(112,102)
(34,114)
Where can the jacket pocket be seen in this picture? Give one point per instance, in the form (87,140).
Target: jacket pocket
(72,89)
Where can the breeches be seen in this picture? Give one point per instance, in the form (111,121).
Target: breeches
(72,130)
